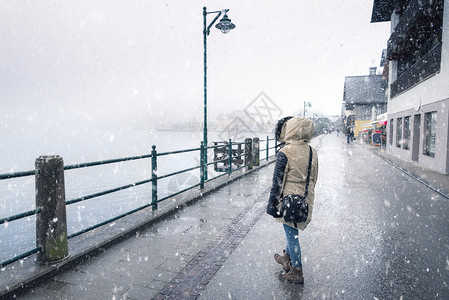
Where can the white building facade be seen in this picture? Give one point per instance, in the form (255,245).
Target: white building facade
(418,82)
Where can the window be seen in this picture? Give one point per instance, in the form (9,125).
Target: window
(399,133)
(430,123)
(363,112)
(407,130)
(367,113)
(381,109)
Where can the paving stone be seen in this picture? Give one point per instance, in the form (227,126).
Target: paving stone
(177,291)
(140,292)
(172,265)
(157,284)
(164,275)
(159,297)
(41,292)
(166,291)
(69,291)
(55,285)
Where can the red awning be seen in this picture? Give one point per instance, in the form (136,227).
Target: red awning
(381,123)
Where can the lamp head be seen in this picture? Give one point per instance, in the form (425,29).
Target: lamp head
(225,24)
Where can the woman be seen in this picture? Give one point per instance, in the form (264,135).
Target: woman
(290,178)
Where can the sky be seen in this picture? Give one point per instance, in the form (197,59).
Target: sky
(121,64)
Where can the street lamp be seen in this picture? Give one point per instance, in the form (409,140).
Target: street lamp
(306,104)
(225,25)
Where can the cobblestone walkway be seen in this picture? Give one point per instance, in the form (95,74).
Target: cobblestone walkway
(189,283)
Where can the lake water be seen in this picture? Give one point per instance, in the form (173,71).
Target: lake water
(19,151)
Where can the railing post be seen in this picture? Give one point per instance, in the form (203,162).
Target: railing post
(256,152)
(205,171)
(268,146)
(275,147)
(215,157)
(248,154)
(154,178)
(51,222)
(202,165)
(230,156)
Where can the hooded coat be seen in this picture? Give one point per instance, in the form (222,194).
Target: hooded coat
(290,173)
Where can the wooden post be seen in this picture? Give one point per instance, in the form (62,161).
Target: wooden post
(51,222)
(230,157)
(248,154)
(154,178)
(256,152)
(268,146)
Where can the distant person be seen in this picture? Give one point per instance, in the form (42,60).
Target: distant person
(290,180)
(351,134)
(348,135)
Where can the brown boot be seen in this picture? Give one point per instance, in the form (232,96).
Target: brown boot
(284,260)
(294,275)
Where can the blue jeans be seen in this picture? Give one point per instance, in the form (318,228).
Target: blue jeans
(293,248)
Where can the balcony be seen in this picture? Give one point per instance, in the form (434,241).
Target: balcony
(424,68)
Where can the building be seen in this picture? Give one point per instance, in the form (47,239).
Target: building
(418,80)
(364,98)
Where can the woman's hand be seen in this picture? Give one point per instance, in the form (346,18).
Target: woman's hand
(272,210)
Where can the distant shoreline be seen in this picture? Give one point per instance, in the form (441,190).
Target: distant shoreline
(199,130)
(178,130)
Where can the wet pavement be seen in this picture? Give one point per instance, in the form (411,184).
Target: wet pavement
(376,233)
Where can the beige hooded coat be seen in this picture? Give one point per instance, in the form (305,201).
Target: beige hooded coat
(296,133)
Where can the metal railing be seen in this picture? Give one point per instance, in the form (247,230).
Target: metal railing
(251,154)
(268,148)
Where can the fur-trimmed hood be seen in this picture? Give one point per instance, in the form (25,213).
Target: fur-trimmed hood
(297,129)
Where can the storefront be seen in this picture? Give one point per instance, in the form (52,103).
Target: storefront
(375,133)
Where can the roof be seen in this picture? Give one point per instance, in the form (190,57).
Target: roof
(365,89)
(333,118)
(382,10)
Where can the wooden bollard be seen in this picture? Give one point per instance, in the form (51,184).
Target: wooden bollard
(51,222)
(256,153)
(248,153)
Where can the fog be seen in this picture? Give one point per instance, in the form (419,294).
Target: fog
(138,64)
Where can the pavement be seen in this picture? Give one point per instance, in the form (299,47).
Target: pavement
(436,180)
(376,233)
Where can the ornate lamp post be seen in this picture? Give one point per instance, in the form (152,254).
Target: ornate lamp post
(225,25)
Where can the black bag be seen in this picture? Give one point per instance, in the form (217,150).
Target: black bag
(294,207)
